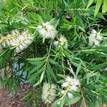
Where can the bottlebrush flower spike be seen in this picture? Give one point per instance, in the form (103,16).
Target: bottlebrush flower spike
(23,41)
(62,41)
(47,30)
(69,86)
(18,40)
(48,92)
(72,83)
(95,38)
(6,41)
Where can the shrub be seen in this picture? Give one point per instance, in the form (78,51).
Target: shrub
(59,47)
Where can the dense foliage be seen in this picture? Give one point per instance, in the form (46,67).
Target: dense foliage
(59,47)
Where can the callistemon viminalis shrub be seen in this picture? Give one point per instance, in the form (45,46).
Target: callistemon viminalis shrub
(69,67)
(16,39)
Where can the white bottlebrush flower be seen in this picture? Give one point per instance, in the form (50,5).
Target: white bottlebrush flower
(48,92)
(65,84)
(6,41)
(105,69)
(72,83)
(70,95)
(62,41)
(69,86)
(74,88)
(56,44)
(24,40)
(18,40)
(47,30)
(95,38)
(75,82)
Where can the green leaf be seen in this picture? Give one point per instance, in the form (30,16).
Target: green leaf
(36,68)
(50,71)
(91,74)
(53,62)
(59,103)
(98,5)
(36,60)
(72,101)
(89,3)
(1,6)
(40,80)
(104,7)
(5,56)
(78,69)
(35,74)
(65,3)
(81,28)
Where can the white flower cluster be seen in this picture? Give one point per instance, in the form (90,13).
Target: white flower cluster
(70,85)
(62,41)
(47,30)
(48,92)
(6,41)
(95,38)
(16,39)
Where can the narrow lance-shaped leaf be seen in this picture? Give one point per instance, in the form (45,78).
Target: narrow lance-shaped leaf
(104,7)
(98,5)
(78,69)
(89,3)
(50,71)
(36,60)
(40,80)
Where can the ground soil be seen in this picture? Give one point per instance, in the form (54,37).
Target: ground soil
(7,100)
